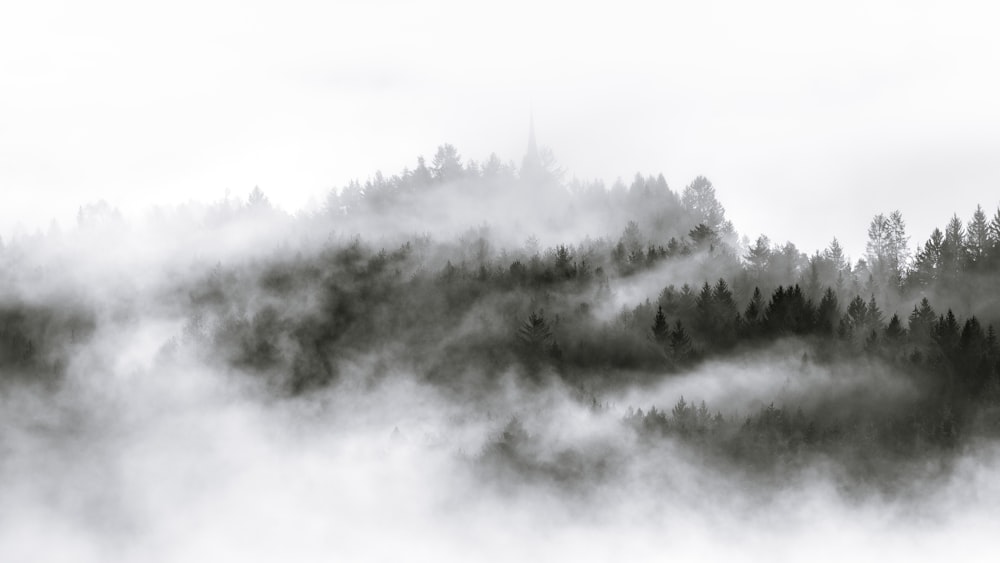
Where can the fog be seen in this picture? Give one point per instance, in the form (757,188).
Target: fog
(838,112)
(428,281)
(171,461)
(141,436)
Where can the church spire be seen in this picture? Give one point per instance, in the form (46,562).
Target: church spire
(531,165)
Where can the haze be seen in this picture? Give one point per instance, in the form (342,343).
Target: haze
(242,318)
(836,112)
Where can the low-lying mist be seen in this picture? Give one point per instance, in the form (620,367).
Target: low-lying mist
(403,375)
(145,452)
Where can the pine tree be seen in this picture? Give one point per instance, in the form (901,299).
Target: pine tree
(789,311)
(535,330)
(753,315)
(953,249)
(828,313)
(447,164)
(686,300)
(856,317)
(724,314)
(973,338)
(257,199)
(947,332)
(994,230)
(704,305)
(899,244)
(978,237)
(874,319)
(921,322)
(680,343)
(991,345)
(704,238)
(421,176)
(758,257)
(699,200)
(563,262)
(661,330)
(895,332)
(835,254)
(878,245)
(929,263)
(774,314)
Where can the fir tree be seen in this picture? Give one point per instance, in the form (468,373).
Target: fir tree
(828,312)
(661,330)
(680,343)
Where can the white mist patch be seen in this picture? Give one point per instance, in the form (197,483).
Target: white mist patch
(693,270)
(142,453)
(178,463)
(782,374)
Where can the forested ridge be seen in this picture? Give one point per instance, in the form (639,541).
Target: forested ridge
(635,283)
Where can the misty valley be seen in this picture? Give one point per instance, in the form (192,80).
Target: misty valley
(470,352)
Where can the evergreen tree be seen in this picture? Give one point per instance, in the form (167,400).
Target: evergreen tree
(835,254)
(789,311)
(535,331)
(724,314)
(855,318)
(879,244)
(828,312)
(753,315)
(758,257)
(888,255)
(978,237)
(953,249)
(922,321)
(421,176)
(994,230)
(788,262)
(686,300)
(874,320)
(813,283)
(704,237)
(930,262)
(680,343)
(661,330)
(494,168)
(973,338)
(631,245)
(947,332)
(447,164)
(991,343)
(699,200)
(894,332)
(563,262)
(704,310)
(257,199)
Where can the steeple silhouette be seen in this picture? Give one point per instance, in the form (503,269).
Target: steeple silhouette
(531,165)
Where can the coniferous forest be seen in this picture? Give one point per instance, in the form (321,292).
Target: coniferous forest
(535,332)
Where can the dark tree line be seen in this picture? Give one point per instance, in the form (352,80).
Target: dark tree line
(463,311)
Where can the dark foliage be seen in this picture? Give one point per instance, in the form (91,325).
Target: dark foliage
(462,313)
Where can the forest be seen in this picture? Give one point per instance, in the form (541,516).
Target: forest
(465,274)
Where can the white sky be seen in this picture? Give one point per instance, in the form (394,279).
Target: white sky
(808,119)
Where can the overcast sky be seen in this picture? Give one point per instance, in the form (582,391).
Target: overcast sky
(808,120)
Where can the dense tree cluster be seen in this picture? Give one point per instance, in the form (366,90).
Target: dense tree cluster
(463,311)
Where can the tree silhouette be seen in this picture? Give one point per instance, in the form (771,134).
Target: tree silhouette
(699,199)
(661,331)
(535,330)
(680,343)
(447,164)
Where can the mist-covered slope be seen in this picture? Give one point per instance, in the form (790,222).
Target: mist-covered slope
(486,361)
